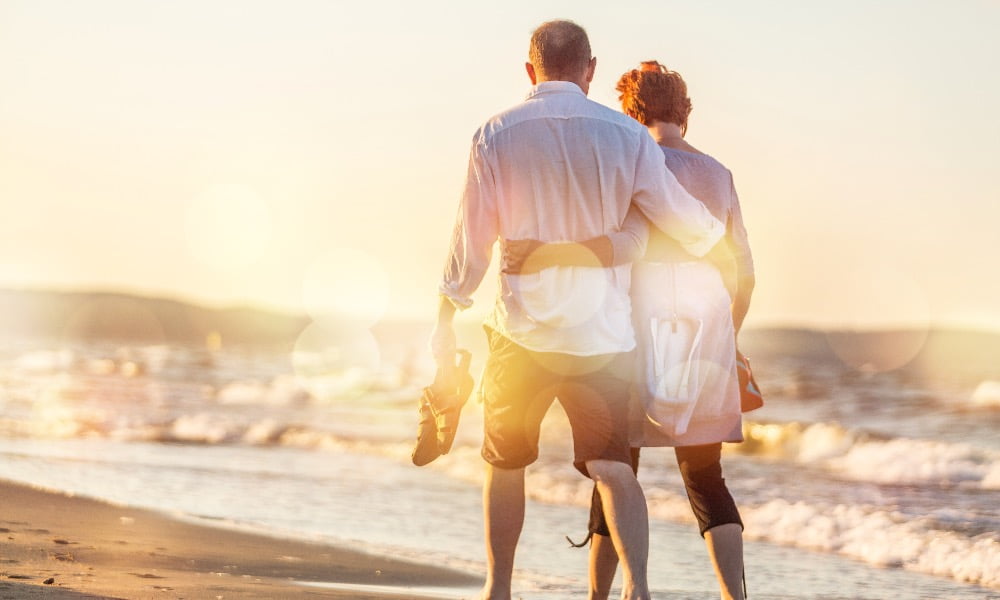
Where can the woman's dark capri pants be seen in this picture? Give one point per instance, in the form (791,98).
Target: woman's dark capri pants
(701,470)
(519,386)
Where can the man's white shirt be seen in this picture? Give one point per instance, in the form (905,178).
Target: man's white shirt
(562,168)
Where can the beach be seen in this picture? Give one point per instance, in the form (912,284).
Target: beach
(56,545)
(853,483)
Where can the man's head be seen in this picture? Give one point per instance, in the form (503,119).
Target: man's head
(560,51)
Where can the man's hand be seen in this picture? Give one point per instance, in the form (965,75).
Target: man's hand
(443,344)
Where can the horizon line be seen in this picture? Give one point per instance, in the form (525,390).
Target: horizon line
(264,307)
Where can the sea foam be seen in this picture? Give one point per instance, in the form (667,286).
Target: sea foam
(860,456)
(878,537)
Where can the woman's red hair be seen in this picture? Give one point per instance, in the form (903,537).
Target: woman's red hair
(654,93)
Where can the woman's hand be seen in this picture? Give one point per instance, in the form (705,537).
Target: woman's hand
(514,258)
(521,257)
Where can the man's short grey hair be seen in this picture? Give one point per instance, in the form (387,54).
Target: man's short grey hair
(559,49)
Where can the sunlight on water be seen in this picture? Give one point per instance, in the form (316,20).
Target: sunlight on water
(44,361)
(228,227)
(987,394)
(766,438)
(54,416)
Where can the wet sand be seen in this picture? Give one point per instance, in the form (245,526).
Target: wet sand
(57,546)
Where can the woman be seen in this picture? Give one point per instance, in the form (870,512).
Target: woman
(687,313)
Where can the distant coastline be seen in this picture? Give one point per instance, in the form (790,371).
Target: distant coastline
(107,315)
(128,317)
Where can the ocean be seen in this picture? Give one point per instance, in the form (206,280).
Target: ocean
(873,470)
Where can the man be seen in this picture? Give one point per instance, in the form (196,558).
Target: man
(560,168)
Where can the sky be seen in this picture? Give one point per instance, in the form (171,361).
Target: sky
(308,155)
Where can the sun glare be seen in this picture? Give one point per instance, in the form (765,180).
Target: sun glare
(228,227)
(346,282)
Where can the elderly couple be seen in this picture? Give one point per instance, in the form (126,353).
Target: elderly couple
(622,288)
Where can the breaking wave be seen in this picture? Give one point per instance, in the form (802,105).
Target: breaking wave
(861,456)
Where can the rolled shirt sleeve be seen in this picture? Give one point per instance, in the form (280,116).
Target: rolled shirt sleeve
(666,203)
(476,229)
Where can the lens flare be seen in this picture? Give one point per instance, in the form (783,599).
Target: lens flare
(904,313)
(336,361)
(876,351)
(536,291)
(228,227)
(567,365)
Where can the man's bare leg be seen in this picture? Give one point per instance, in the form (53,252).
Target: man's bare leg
(503,517)
(603,564)
(625,512)
(725,548)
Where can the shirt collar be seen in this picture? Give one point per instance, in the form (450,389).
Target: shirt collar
(547,87)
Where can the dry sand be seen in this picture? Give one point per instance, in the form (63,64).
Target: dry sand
(67,548)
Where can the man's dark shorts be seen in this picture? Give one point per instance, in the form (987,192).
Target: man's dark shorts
(519,385)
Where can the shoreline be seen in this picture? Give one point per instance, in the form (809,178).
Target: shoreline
(89,549)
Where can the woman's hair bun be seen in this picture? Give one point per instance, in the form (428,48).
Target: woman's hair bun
(652,65)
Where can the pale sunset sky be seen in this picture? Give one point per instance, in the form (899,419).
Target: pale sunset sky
(308,154)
